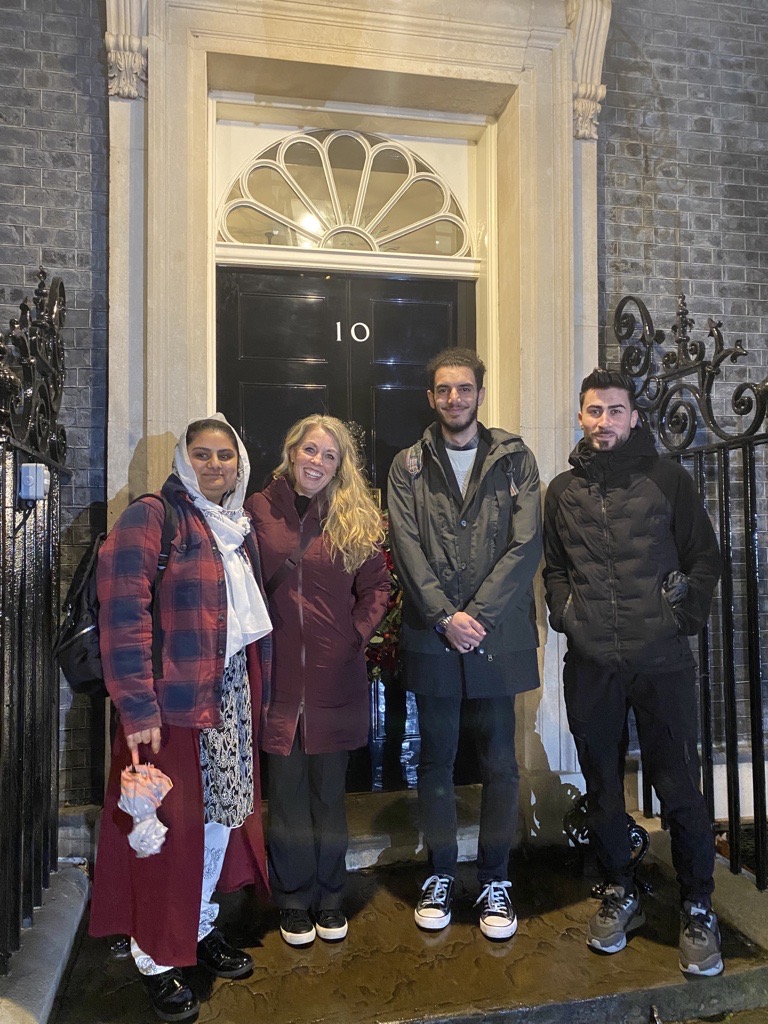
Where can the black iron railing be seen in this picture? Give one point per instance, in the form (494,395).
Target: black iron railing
(685,399)
(31,381)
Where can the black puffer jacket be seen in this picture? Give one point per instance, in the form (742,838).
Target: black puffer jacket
(614,526)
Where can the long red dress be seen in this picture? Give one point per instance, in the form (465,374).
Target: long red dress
(156,899)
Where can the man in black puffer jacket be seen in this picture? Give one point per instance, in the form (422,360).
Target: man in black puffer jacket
(632,562)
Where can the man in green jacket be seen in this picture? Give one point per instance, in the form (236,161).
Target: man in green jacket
(465,529)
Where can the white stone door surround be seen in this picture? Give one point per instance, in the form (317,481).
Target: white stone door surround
(530,67)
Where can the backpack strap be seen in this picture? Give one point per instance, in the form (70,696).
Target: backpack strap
(170,526)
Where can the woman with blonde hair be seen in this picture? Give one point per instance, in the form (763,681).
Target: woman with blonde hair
(320,537)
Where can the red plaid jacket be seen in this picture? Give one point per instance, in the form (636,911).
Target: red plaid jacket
(192,608)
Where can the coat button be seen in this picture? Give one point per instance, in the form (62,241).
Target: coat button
(221,616)
(463,522)
(463,565)
(220,582)
(220,650)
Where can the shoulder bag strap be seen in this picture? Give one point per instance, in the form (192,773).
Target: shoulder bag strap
(291,561)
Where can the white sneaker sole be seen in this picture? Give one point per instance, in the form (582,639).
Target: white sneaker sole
(298,938)
(708,972)
(637,922)
(498,931)
(432,924)
(332,934)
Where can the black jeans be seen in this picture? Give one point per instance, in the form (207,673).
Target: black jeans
(598,701)
(307,841)
(492,721)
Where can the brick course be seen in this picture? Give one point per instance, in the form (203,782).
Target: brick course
(53,188)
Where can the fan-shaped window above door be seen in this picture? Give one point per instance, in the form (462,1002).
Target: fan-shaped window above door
(343,190)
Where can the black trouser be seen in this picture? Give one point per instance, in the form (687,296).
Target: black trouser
(598,701)
(307,842)
(492,721)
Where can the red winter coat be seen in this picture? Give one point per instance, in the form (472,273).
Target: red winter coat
(323,618)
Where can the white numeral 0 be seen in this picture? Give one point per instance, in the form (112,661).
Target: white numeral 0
(360,336)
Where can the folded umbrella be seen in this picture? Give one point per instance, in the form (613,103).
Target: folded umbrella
(142,788)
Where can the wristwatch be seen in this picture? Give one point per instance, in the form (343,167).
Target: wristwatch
(442,624)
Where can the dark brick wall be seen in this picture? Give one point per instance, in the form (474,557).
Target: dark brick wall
(53,211)
(683,165)
(683,207)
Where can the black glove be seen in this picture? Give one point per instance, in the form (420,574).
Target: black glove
(675,587)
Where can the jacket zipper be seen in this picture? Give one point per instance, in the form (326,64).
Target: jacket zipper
(301,716)
(611,577)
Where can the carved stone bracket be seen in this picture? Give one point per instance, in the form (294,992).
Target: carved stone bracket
(675,388)
(126,41)
(589,20)
(32,372)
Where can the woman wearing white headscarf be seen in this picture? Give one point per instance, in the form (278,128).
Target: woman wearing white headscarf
(196,719)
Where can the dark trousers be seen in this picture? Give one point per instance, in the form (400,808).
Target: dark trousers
(492,722)
(307,842)
(598,701)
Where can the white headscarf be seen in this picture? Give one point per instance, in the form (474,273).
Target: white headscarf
(247,616)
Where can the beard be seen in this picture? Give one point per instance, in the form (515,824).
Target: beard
(460,424)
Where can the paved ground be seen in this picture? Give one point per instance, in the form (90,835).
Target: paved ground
(389,971)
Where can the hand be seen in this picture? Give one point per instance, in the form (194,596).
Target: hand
(464,633)
(147,736)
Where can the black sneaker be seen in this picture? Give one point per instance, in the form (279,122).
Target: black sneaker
(433,911)
(699,941)
(296,927)
(222,959)
(171,996)
(497,918)
(331,925)
(619,914)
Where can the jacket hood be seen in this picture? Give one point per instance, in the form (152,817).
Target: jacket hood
(588,460)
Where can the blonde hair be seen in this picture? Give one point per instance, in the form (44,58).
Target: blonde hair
(353,524)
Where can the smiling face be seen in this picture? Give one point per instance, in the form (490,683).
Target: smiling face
(456,399)
(607,418)
(214,459)
(315,460)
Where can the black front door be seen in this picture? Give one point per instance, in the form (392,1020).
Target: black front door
(292,343)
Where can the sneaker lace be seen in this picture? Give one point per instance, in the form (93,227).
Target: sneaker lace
(698,924)
(436,888)
(495,895)
(613,902)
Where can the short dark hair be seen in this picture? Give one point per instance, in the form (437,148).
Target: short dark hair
(456,357)
(600,380)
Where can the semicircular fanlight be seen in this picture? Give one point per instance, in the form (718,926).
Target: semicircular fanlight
(343,190)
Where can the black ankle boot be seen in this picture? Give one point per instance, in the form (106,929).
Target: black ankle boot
(171,996)
(224,960)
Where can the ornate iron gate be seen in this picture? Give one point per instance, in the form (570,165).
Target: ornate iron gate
(679,400)
(32,450)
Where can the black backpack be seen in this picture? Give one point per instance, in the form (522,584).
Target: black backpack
(77,641)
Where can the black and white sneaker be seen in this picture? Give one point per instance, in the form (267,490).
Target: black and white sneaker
(433,911)
(497,917)
(331,925)
(296,927)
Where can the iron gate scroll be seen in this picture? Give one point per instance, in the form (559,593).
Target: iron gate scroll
(678,399)
(31,383)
